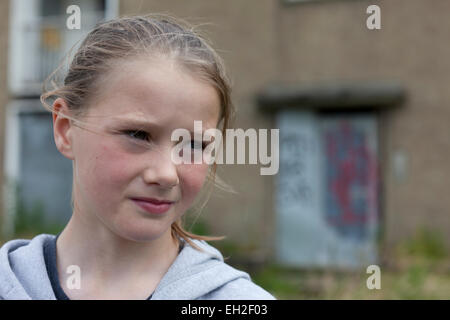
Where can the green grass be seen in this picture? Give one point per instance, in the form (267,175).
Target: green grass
(32,221)
(419,268)
(417,282)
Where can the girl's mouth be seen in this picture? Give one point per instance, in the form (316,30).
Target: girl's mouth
(153,206)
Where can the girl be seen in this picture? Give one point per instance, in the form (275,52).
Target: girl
(131,83)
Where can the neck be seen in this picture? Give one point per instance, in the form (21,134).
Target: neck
(103,255)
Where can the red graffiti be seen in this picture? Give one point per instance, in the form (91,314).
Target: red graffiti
(351,177)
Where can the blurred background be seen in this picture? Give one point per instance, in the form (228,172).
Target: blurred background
(364,138)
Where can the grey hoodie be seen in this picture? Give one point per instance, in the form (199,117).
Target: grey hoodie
(193,274)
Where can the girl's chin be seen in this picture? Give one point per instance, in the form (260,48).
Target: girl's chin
(140,234)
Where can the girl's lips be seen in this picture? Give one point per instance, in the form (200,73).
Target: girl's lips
(153,206)
(152,200)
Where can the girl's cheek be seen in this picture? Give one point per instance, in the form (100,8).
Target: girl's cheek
(109,170)
(193,177)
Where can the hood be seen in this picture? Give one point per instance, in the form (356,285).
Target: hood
(23,274)
(193,275)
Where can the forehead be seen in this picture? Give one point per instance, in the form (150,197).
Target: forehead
(157,91)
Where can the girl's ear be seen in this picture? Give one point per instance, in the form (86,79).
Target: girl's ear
(62,128)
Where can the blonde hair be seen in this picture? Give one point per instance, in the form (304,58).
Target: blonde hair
(132,37)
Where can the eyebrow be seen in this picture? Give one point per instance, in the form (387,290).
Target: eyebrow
(136,123)
(143,124)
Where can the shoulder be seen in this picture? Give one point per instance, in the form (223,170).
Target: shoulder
(24,253)
(23,272)
(21,245)
(240,289)
(237,286)
(203,275)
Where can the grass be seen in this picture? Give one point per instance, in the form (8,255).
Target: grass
(418,268)
(417,282)
(31,220)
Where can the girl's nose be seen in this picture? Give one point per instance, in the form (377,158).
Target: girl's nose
(161,170)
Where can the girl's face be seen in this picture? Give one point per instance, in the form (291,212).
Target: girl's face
(153,98)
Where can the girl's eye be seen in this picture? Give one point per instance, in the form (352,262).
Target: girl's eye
(136,134)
